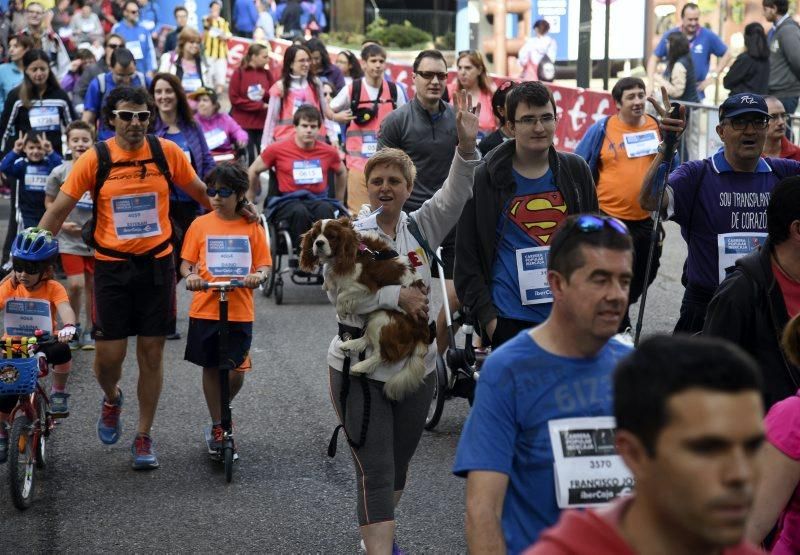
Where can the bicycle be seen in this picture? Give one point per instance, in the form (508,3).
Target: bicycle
(226,452)
(21,369)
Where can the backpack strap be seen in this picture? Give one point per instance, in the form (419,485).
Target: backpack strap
(101,83)
(157,152)
(355,95)
(416,233)
(393,93)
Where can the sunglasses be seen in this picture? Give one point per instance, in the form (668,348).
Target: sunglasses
(223,192)
(113,46)
(429,75)
(588,223)
(127,115)
(27,266)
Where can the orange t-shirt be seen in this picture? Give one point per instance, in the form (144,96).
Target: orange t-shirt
(621,176)
(26,311)
(221,250)
(133,210)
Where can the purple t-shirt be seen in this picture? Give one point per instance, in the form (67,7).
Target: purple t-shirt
(783,432)
(722,213)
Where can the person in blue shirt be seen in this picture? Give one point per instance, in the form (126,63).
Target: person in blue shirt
(137,39)
(123,72)
(704,42)
(148,16)
(245,16)
(11,72)
(559,370)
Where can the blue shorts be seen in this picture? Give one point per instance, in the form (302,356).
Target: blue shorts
(202,343)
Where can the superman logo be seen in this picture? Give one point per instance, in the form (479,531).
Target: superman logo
(538,215)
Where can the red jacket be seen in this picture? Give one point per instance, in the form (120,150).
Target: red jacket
(248,102)
(789,150)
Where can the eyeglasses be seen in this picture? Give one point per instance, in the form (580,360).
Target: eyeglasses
(429,75)
(127,115)
(531,121)
(27,266)
(740,124)
(588,223)
(223,192)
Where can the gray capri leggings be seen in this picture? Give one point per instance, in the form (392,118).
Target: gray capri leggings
(393,433)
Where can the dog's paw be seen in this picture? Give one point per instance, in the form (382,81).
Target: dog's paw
(354,345)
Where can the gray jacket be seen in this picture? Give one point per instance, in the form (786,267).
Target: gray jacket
(429,143)
(784,60)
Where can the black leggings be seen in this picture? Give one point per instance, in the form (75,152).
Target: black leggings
(253,144)
(394,430)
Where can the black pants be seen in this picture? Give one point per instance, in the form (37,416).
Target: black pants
(182,214)
(693,310)
(507,328)
(640,233)
(301,215)
(253,144)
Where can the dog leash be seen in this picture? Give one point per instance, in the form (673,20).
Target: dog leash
(347,333)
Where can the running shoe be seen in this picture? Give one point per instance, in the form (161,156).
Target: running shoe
(109,425)
(396,550)
(59,407)
(144,456)
(174,336)
(87,343)
(214,434)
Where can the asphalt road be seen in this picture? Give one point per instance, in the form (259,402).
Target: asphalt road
(287,496)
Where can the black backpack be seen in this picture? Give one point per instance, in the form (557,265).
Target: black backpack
(104,165)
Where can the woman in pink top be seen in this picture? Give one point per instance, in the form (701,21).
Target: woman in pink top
(778,496)
(223,135)
(473,77)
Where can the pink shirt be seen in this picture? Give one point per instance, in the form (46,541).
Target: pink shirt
(783,431)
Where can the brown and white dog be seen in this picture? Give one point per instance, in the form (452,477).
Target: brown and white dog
(358,264)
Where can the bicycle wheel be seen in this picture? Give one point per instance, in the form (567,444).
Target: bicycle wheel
(44,431)
(439,393)
(21,475)
(227,458)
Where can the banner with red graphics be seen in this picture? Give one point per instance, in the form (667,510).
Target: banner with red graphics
(577,108)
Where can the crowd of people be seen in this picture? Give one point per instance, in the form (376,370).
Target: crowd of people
(128,175)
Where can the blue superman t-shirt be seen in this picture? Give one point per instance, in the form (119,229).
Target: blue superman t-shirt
(522,388)
(529,219)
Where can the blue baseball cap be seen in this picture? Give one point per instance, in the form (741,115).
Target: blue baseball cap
(743,103)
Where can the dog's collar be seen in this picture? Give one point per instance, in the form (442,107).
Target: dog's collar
(380,255)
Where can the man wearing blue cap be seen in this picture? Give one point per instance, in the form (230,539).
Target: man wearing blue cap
(721,202)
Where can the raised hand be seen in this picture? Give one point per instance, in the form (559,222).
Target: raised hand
(46,145)
(666,123)
(467,119)
(19,144)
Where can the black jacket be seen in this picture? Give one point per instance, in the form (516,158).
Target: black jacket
(476,239)
(749,310)
(748,74)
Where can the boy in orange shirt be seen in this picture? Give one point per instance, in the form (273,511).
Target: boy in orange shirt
(30,301)
(219,246)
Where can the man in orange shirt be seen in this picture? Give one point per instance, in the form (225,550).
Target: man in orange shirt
(619,149)
(134,270)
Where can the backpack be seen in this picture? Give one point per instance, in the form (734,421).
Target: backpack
(104,165)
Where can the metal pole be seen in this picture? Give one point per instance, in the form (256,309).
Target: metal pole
(606,41)
(585,45)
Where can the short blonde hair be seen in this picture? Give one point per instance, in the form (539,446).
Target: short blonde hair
(392,157)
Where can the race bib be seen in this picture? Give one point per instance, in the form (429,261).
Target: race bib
(370,221)
(25,316)
(641,144)
(215,32)
(136,216)
(44,118)
(136,49)
(532,275)
(588,470)
(307,172)
(36,178)
(255,92)
(228,255)
(85,202)
(296,104)
(191,82)
(149,25)
(369,146)
(215,138)
(732,246)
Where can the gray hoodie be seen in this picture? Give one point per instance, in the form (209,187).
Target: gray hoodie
(784,60)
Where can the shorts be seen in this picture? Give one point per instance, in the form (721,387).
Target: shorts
(202,344)
(77,265)
(217,68)
(448,256)
(134,297)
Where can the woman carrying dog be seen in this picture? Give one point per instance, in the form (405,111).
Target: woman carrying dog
(393,427)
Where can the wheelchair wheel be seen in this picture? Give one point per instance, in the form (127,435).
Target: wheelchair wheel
(274,248)
(269,285)
(439,393)
(21,474)
(279,292)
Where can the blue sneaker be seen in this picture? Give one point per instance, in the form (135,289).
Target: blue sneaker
(59,407)
(396,550)
(109,426)
(144,456)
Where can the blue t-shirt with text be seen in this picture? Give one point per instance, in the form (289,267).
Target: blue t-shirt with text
(522,388)
(704,44)
(529,219)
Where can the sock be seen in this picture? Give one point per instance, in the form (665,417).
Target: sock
(55,388)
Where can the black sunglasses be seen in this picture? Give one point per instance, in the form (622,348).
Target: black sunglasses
(588,223)
(27,266)
(223,192)
(429,75)
(113,46)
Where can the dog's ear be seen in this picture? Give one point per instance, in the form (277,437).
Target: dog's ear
(307,260)
(346,250)
(345,220)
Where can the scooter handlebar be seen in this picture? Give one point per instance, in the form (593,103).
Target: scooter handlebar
(232,284)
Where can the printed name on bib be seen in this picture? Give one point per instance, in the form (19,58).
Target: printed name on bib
(641,144)
(307,172)
(532,275)
(732,246)
(228,255)
(24,316)
(136,216)
(136,49)
(215,138)
(44,118)
(588,471)
(35,179)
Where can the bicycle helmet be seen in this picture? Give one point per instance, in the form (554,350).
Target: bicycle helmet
(35,245)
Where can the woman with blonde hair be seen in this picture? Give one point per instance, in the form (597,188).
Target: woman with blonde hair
(186,62)
(473,77)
